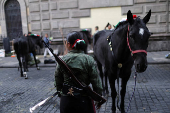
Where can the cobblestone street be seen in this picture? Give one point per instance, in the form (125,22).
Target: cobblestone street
(17,94)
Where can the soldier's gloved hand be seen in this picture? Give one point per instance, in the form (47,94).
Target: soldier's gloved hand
(97,105)
(59,94)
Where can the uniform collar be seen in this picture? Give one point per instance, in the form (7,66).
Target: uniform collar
(76,51)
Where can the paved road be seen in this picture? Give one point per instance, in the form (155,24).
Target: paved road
(17,95)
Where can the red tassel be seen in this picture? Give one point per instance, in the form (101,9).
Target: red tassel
(134,16)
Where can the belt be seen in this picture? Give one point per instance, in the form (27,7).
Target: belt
(69,90)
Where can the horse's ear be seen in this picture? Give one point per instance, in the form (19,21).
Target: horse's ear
(147,17)
(130,17)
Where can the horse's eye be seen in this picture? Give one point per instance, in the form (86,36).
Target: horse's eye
(130,35)
(151,33)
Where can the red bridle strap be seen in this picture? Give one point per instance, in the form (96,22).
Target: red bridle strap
(136,51)
(139,51)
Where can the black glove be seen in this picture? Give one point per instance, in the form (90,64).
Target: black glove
(59,93)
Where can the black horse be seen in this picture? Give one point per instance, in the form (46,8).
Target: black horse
(25,45)
(117,51)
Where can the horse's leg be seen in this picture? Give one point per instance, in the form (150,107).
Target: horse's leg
(113,93)
(38,68)
(101,75)
(26,61)
(24,65)
(122,93)
(20,65)
(106,84)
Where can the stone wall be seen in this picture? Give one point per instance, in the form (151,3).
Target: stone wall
(159,21)
(48,16)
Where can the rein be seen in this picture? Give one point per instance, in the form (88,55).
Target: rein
(132,93)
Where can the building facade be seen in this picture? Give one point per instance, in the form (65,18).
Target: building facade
(17,17)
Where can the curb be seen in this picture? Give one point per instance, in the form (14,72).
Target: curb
(50,65)
(54,65)
(151,63)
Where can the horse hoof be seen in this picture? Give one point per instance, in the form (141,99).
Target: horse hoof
(26,77)
(38,68)
(122,111)
(107,95)
(107,92)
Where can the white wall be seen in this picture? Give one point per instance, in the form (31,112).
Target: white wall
(100,17)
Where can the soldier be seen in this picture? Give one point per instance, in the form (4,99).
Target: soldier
(108,26)
(73,98)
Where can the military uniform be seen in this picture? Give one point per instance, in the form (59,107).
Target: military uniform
(73,98)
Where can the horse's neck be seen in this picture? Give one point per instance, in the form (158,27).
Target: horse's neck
(120,44)
(31,42)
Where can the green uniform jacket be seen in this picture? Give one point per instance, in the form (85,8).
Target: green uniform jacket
(84,68)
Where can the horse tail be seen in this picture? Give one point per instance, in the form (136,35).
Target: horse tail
(21,46)
(16,45)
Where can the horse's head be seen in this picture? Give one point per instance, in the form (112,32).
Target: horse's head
(40,43)
(38,40)
(138,35)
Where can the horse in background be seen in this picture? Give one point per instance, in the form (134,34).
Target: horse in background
(118,50)
(25,45)
(86,35)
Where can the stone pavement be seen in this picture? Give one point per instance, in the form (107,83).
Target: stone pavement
(17,94)
(152,57)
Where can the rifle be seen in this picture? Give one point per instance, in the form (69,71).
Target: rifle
(86,88)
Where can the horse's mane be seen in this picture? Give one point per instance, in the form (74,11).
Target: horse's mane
(125,22)
(121,24)
(34,36)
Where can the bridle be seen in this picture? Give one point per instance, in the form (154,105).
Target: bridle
(135,51)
